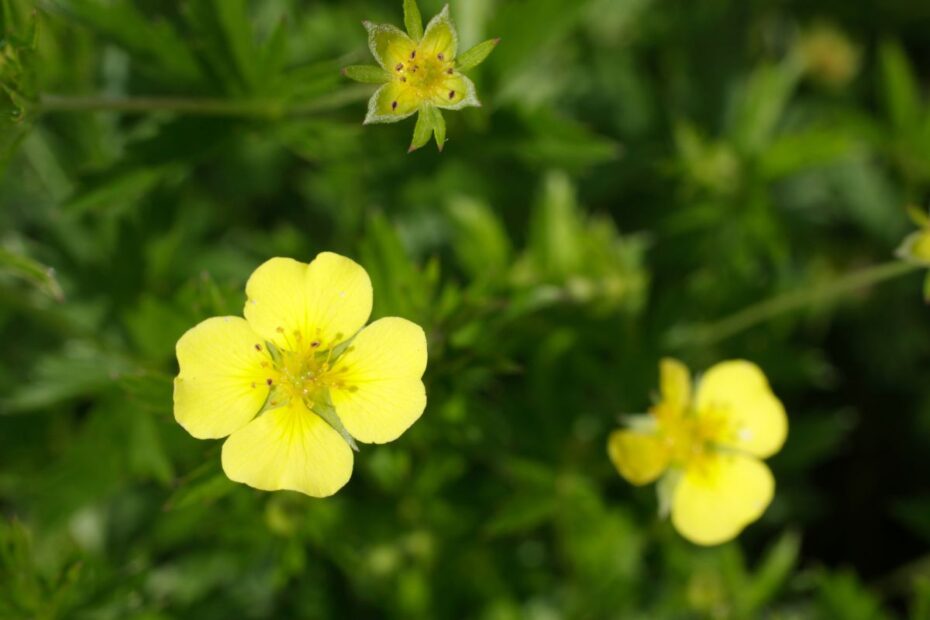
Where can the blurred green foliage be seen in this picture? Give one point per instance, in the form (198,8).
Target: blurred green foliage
(638,168)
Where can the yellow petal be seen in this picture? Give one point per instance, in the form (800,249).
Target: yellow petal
(738,395)
(456,92)
(222,383)
(299,306)
(440,37)
(389,45)
(675,384)
(288,448)
(392,102)
(639,457)
(380,393)
(718,497)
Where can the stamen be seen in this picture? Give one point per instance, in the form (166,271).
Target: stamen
(399,66)
(258,347)
(393,105)
(269,381)
(451,94)
(440,56)
(413,54)
(450,71)
(315,344)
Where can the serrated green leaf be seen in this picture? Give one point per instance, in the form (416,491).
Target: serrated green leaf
(413,20)
(367,74)
(423,130)
(476,55)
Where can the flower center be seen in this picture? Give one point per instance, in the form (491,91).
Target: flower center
(690,438)
(425,74)
(305,374)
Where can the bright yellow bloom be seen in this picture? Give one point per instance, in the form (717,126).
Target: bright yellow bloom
(302,363)
(708,446)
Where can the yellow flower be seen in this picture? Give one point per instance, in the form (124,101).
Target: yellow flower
(419,72)
(707,448)
(294,381)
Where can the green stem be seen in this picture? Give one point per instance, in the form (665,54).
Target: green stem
(711,333)
(257,108)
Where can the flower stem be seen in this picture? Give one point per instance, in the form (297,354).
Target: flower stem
(710,333)
(196,106)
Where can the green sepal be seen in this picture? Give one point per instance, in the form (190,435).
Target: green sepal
(927,288)
(476,55)
(423,130)
(329,415)
(367,74)
(413,20)
(439,127)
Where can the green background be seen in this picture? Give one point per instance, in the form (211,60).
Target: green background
(639,170)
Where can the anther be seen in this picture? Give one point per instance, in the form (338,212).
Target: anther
(315,344)
(450,71)
(440,56)
(393,105)
(413,54)
(258,347)
(451,94)
(399,66)
(269,381)
(280,330)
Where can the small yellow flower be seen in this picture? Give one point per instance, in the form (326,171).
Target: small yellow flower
(294,381)
(707,448)
(915,248)
(420,72)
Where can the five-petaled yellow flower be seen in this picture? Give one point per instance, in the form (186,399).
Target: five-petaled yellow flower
(294,381)
(419,72)
(707,448)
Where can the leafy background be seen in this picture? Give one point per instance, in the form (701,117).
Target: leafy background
(639,170)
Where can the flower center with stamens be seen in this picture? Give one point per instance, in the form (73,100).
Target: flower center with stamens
(305,373)
(425,74)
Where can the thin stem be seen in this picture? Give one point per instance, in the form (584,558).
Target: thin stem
(256,108)
(711,333)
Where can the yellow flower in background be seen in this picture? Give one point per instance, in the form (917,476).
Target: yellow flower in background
(707,447)
(300,376)
(915,248)
(420,72)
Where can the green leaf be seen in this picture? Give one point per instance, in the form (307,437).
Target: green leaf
(423,130)
(31,271)
(771,575)
(899,86)
(439,127)
(927,289)
(482,246)
(413,20)
(476,55)
(367,74)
